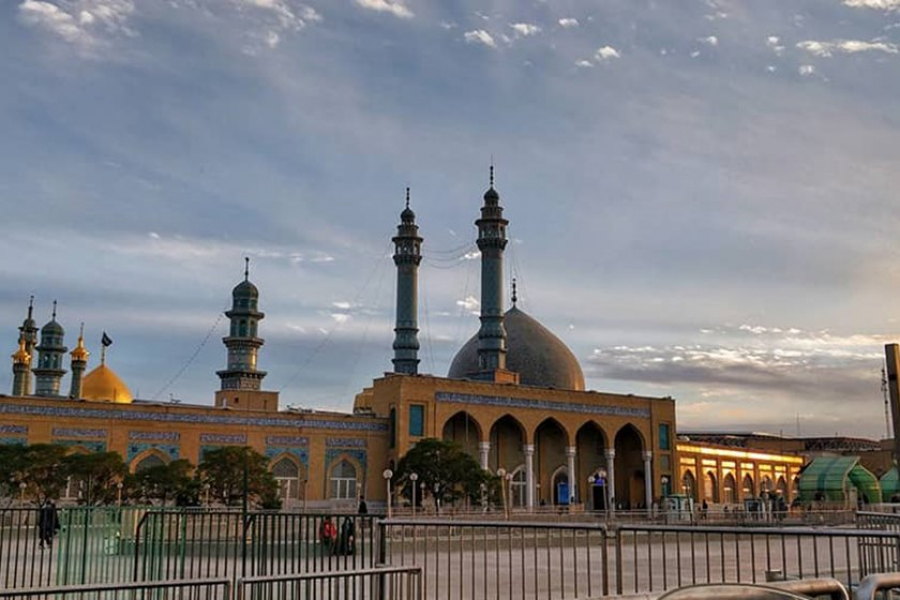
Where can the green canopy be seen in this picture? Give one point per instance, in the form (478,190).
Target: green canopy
(890,483)
(830,478)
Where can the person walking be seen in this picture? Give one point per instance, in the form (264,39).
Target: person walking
(48,524)
(328,536)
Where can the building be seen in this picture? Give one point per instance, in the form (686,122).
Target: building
(514,397)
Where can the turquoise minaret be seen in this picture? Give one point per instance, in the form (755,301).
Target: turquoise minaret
(29,333)
(491,243)
(49,371)
(242,340)
(407,256)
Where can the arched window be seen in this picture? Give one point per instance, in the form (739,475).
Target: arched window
(517,488)
(287,474)
(689,485)
(151,460)
(343,481)
(730,494)
(747,488)
(710,487)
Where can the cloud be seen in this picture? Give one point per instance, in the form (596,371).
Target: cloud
(806,70)
(525,29)
(470,304)
(887,5)
(86,24)
(584,63)
(568,23)
(606,53)
(774,43)
(710,40)
(826,49)
(394,7)
(480,36)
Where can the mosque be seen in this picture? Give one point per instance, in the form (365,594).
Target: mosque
(514,398)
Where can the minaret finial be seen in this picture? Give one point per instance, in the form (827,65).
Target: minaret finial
(30,305)
(54,310)
(492,171)
(81,331)
(407,196)
(246,268)
(514,296)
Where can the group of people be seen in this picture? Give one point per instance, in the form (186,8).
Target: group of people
(338,542)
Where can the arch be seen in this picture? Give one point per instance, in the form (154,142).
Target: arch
(748,488)
(151,457)
(551,440)
(689,484)
(517,485)
(730,491)
(711,487)
(629,467)
(463,429)
(781,486)
(560,486)
(507,439)
(766,485)
(591,443)
(290,474)
(343,479)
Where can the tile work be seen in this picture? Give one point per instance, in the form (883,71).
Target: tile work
(13,429)
(345,442)
(223,438)
(549,405)
(154,436)
(287,440)
(76,433)
(302,454)
(92,445)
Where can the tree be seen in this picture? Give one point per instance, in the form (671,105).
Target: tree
(227,470)
(445,471)
(11,461)
(98,473)
(43,471)
(162,483)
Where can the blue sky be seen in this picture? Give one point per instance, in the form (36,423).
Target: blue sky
(701,193)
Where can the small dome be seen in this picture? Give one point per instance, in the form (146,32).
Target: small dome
(491,195)
(407,216)
(533,351)
(80,353)
(53,328)
(103,385)
(21,356)
(245,289)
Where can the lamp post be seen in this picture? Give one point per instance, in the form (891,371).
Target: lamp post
(119,487)
(22,487)
(206,487)
(501,473)
(414,477)
(591,481)
(437,497)
(388,474)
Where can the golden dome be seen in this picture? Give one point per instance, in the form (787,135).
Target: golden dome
(21,356)
(103,385)
(80,353)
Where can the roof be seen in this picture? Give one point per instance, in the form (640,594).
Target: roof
(103,385)
(890,483)
(533,351)
(829,477)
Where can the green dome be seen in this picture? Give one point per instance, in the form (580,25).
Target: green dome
(245,289)
(53,328)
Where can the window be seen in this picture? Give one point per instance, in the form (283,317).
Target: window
(287,474)
(664,436)
(416,420)
(343,481)
(150,461)
(392,428)
(517,488)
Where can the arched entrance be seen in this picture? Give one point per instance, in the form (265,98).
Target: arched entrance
(343,481)
(748,489)
(550,456)
(629,468)
(590,442)
(711,488)
(291,478)
(689,484)
(507,442)
(464,430)
(730,492)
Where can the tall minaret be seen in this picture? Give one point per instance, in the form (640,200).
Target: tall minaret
(80,357)
(29,331)
(21,369)
(242,341)
(407,256)
(49,371)
(491,243)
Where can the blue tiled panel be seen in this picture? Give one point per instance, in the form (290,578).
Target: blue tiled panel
(287,440)
(223,438)
(359,455)
(302,454)
(551,405)
(154,436)
(13,429)
(76,433)
(345,442)
(92,445)
(67,411)
(136,448)
(13,441)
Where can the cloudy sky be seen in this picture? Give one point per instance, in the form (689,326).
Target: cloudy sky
(701,193)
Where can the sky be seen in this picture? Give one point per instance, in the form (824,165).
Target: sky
(700,193)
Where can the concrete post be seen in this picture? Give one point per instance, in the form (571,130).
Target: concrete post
(570,467)
(529,475)
(611,480)
(648,481)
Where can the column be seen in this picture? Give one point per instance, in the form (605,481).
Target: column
(484,451)
(570,467)
(611,480)
(648,481)
(529,475)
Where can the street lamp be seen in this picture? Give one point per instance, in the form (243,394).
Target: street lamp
(591,481)
(206,487)
(388,474)
(22,486)
(119,487)
(501,473)
(437,497)
(414,477)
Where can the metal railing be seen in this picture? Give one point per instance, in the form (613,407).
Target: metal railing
(495,560)
(871,585)
(380,583)
(204,589)
(649,558)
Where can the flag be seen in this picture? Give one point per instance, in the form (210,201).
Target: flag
(105,340)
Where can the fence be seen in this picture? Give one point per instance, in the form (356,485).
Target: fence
(500,560)
(382,583)
(207,589)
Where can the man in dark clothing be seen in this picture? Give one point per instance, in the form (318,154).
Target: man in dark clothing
(363,508)
(48,523)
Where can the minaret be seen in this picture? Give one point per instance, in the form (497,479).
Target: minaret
(491,243)
(79,364)
(49,370)
(21,369)
(242,341)
(29,331)
(407,256)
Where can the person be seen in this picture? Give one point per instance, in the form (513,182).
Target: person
(704,509)
(363,508)
(348,537)
(328,536)
(48,523)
